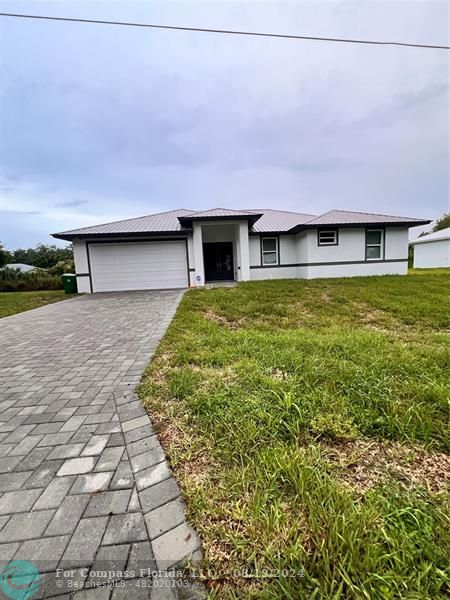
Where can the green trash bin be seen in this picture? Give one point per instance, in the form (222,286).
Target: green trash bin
(69,283)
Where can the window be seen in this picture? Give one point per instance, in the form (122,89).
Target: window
(374,244)
(269,251)
(328,237)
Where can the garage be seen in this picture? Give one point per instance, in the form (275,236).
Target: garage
(156,265)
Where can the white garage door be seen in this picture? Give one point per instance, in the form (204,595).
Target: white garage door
(138,266)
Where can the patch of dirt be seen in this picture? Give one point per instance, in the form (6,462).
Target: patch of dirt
(366,463)
(173,440)
(159,376)
(221,320)
(226,374)
(160,364)
(278,374)
(375,318)
(196,469)
(326,298)
(168,433)
(300,310)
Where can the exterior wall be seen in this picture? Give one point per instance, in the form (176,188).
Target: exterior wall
(244,252)
(351,247)
(287,249)
(81,266)
(273,273)
(255,250)
(357,270)
(197,247)
(432,254)
(302,257)
(190,249)
(396,244)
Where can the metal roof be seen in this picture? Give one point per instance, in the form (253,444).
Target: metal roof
(261,221)
(219,212)
(278,221)
(437,236)
(347,217)
(24,268)
(160,222)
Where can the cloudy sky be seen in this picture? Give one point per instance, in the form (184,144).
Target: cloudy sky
(99,123)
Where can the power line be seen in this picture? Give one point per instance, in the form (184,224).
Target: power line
(225,31)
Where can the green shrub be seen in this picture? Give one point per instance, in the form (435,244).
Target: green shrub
(14,280)
(61,267)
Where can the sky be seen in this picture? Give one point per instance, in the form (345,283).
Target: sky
(101,123)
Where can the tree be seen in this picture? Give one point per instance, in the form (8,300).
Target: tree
(5,256)
(22,256)
(43,256)
(48,256)
(442,223)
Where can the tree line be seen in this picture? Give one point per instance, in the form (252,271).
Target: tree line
(44,256)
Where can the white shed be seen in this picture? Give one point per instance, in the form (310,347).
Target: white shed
(432,250)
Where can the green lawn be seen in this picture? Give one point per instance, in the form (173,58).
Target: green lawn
(16,302)
(308,425)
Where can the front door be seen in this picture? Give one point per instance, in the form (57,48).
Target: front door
(218,258)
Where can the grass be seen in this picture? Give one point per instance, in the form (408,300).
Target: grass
(12,303)
(308,425)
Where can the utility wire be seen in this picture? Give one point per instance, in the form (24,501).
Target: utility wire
(225,31)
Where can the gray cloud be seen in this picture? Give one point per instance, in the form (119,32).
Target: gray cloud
(20,212)
(100,123)
(70,203)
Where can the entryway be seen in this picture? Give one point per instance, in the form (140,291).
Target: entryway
(218,261)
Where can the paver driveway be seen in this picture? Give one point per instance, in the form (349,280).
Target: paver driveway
(83,481)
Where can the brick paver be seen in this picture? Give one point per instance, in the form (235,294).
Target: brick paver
(84,484)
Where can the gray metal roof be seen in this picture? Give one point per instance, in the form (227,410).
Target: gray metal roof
(220,212)
(160,222)
(278,220)
(21,267)
(437,236)
(347,217)
(262,221)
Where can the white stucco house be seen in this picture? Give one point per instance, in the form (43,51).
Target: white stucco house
(183,248)
(432,250)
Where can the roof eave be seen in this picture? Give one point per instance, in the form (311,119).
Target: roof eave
(423,240)
(250,218)
(304,226)
(122,234)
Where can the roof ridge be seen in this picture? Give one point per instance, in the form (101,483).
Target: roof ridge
(289,212)
(363,212)
(241,210)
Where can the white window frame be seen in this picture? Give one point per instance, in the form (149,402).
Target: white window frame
(329,233)
(380,245)
(264,252)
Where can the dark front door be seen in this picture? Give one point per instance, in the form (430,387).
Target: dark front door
(218,257)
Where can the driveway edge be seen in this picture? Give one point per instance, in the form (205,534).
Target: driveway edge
(172,539)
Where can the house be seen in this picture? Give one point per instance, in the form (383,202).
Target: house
(22,267)
(182,248)
(432,250)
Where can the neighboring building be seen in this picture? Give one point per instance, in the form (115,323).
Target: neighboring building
(23,268)
(432,250)
(182,248)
